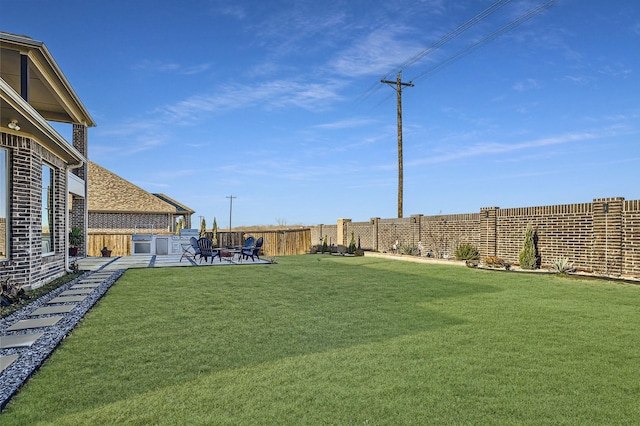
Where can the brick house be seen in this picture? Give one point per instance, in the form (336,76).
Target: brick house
(42,175)
(117,206)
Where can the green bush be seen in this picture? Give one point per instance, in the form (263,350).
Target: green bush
(407,249)
(352,245)
(467,251)
(529,255)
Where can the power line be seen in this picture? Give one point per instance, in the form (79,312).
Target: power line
(530,14)
(494,7)
(456,32)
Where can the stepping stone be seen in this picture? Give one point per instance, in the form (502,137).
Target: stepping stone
(74,291)
(67,299)
(34,323)
(6,361)
(19,340)
(93,280)
(86,285)
(57,309)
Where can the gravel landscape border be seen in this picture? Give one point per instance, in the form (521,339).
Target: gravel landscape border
(31,358)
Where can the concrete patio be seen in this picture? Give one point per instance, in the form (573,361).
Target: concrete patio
(156,261)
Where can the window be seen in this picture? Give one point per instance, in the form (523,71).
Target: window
(47,210)
(4,201)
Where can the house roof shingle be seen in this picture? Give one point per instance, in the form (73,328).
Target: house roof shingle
(109,193)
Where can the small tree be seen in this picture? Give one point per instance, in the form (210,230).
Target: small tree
(214,230)
(203,228)
(179,225)
(529,254)
(352,245)
(324,244)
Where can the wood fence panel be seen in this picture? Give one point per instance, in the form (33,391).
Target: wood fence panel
(276,243)
(119,244)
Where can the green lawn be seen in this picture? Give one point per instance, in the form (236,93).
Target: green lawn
(345,341)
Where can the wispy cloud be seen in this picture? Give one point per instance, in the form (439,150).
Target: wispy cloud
(345,124)
(163,67)
(525,85)
(234,10)
(580,80)
(493,148)
(616,70)
(375,54)
(276,94)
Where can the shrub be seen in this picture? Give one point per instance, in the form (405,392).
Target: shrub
(406,249)
(562,266)
(76,237)
(467,251)
(529,255)
(325,247)
(496,262)
(352,245)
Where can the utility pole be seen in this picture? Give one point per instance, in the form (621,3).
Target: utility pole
(230,197)
(398,88)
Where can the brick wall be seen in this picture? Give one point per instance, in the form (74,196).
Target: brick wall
(631,238)
(320,231)
(26,265)
(128,222)
(601,237)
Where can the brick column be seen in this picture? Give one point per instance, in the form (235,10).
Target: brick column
(607,236)
(78,216)
(374,233)
(488,232)
(416,226)
(342,238)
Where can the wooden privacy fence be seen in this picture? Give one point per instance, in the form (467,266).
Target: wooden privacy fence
(284,242)
(119,244)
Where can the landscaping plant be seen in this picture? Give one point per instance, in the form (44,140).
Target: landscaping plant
(467,251)
(529,255)
(562,265)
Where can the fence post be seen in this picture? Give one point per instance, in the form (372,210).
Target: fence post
(341,236)
(607,236)
(374,233)
(488,231)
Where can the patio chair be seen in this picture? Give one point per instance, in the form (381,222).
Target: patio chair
(191,250)
(247,248)
(206,249)
(255,251)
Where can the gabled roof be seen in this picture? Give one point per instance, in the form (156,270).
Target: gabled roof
(180,208)
(49,91)
(50,96)
(109,193)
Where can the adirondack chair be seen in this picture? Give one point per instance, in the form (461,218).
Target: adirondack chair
(206,249)
(256,249)
(253,251)
(248,246)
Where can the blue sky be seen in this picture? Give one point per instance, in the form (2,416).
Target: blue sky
(279,103)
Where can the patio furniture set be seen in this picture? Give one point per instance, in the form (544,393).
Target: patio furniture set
(202,248)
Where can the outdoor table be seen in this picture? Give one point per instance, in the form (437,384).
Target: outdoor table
(228,253)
